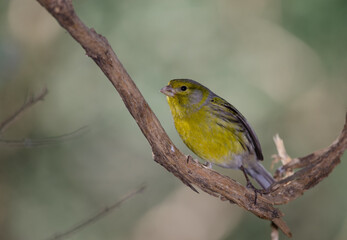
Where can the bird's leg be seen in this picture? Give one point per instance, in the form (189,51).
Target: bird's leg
(251,186)
(207,165)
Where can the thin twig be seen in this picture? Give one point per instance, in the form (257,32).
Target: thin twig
(39,142)
(96,217)
(282,156)
(29,103)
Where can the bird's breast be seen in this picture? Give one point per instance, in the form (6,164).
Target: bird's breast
(209,140)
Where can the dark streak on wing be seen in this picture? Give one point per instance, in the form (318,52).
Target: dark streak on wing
(243,145)
(236,117)
(254,140)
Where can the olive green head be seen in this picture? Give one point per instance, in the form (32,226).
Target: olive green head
(185,92)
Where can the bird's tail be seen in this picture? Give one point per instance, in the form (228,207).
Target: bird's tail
(260,174)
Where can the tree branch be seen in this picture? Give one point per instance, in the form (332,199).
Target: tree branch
(29,103)
(167,155)
(313,169)
(39,142)
(96,216)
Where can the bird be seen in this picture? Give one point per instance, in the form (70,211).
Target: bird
(215,130)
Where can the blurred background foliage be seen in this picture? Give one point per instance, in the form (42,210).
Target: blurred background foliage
(281,63)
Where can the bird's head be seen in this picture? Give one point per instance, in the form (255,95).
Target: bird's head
(185,93)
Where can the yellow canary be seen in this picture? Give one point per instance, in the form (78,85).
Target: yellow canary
(214,129)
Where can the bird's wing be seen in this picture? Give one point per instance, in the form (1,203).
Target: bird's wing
(229,113)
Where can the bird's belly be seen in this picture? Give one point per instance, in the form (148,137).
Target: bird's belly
(210,141)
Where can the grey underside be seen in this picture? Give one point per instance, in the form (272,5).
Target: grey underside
(253,168)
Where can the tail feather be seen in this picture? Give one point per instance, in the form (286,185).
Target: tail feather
(260,174)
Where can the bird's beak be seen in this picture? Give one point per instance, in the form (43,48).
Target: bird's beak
(168,91)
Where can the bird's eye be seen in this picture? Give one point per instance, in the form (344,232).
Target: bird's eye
(183,88)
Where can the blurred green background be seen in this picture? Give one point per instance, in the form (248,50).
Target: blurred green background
(283,64)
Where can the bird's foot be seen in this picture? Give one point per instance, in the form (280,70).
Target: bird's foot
(251,186)
(255,190)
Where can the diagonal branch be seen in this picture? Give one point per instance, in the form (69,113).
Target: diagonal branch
(29,103)
(96,216)
(164,151)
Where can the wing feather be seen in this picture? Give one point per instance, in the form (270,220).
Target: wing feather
(229,113)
